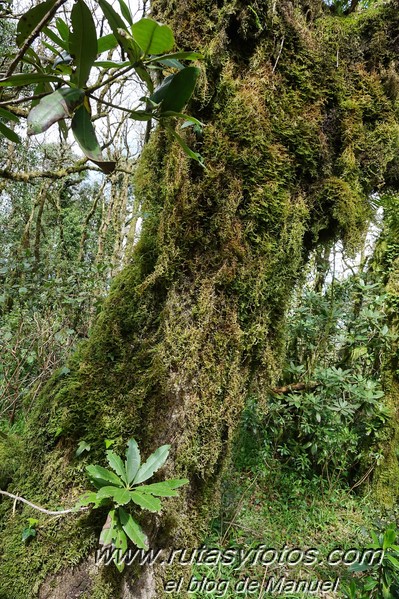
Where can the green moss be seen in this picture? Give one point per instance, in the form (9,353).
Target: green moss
(294,144)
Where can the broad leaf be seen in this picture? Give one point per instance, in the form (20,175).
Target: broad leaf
(56,39)
(133,529)
(126,12)
(82,41)
(187,150)
(84,134)
(146,501)
(133,460)
(63,29)
(154,462)
(110,64)
(176,56)
(180,90)
(31,19)
(152,37)
(83,446)
(102,477)
(120,32)
(141,115)
(28,78)
(86,499)
(107,42)
(117,465)
(166,488)
(52,108)
(108,532)
(8,116)
(160,92)
(120,496)
(9,134)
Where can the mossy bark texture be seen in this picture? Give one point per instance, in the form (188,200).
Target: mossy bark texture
(301,126)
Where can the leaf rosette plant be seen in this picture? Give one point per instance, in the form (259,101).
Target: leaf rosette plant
(122,488)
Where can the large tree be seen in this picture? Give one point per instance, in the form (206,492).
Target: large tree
(301,128)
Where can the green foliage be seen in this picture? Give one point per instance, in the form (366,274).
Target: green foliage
(124,486)
(378,580)
(145,44)
(335,425)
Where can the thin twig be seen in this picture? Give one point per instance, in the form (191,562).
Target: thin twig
(42,509)
(278,56)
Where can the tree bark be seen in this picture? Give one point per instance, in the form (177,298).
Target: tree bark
(294,142)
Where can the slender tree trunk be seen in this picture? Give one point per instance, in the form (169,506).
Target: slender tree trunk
(294,144)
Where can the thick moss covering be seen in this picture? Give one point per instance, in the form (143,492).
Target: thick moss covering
(301,127)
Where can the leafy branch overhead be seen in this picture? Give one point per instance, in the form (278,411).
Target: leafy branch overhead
(122,486)
(61,85)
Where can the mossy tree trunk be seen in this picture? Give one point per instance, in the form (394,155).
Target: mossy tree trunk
(301,127)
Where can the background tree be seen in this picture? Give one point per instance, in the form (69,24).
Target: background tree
(301,129)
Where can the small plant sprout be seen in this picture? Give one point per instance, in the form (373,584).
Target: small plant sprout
(120,488)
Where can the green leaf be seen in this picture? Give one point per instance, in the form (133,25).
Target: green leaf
(8,116)
(9,134)
(84,134)
(28,78)
(117,465)
(83,446)
(176,56)
(141,115)
(126,12)
(145,76)
(154,462)
(86,499)
(110,64)
(56,39)
(180,115)
(107,42)
(187,150)
(31,19)
(28,533)
(32,522)
(133,460)
(152,37)
(180,89)
(120,496)
(63,29)
(393,560)
(133,529)
(166,488)
(120,32)
(146,501)
(160,92)
(108,531)
(52,108)
(102,477)
(82,41)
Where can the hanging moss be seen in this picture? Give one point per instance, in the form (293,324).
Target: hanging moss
(300,130)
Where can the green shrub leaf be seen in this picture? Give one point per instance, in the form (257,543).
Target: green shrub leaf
(52,108)
(102,477)
(154,462)
(133,460)
(133,529)
(146,501)
(82,42)
(31,19)
(152,37)
(117,465)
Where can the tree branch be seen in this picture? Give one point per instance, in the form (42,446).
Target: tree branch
(31,38)
(295,387)
(42,509)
